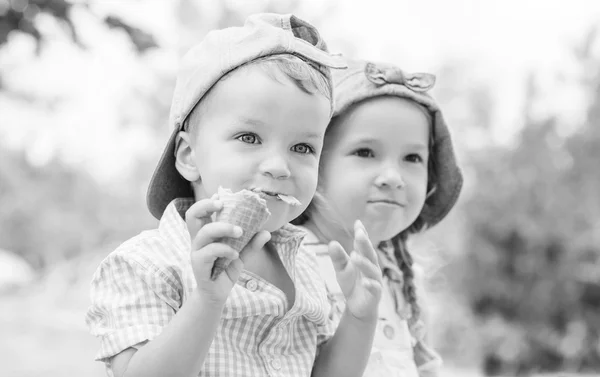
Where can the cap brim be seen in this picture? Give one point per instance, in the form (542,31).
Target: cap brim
(166,183)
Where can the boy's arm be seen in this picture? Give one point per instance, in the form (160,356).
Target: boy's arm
(180,349)
(359,277)
(182,346)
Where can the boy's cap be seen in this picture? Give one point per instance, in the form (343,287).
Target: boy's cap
(363,80)
(221,52)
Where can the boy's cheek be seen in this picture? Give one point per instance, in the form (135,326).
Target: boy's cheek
(307,179)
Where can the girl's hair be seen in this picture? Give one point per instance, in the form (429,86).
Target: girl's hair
(399,241)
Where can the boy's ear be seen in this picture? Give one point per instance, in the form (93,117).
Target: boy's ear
(185,157)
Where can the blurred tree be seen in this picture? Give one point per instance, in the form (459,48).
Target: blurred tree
(532,268)
(52,213)
(20,16)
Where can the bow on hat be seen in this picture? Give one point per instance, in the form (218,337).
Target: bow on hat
(387,74)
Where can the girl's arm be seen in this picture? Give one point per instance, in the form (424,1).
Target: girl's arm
(347,353)
(359,277)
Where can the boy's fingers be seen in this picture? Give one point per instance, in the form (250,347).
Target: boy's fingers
(213,232)
(199,214)
(217,250)
(235,269)
(338,256)
(368,269)
(207,256)
(362,244)
(258,241)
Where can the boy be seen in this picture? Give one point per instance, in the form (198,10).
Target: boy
(249,111)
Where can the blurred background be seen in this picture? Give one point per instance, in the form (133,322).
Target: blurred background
(514,271)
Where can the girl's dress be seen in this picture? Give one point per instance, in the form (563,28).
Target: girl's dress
(399,348)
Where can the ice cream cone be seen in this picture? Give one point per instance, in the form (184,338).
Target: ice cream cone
(245,209)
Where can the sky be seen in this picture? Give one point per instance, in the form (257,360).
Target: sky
(78,111)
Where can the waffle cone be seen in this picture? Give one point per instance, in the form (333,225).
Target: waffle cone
(245,209)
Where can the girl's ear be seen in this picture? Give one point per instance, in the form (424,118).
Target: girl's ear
(185,157)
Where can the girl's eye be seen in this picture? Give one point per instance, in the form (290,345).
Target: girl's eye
(303,149)
(364,152)
(414,158)
(248,138)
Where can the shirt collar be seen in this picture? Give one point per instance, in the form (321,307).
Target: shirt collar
(172,224)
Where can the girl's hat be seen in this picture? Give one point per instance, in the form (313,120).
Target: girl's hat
(363,80)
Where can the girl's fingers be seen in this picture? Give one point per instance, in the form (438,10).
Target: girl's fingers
(374,287)
(213,232)
(338,256)
(362,244)
(366,267)
(199,214)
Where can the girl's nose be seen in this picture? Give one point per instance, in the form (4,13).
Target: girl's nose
(390,177)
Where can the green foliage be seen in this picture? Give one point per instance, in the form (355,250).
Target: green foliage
(20,16)
(54,213)
(532,268)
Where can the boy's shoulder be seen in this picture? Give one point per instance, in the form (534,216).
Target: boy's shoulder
(149,252)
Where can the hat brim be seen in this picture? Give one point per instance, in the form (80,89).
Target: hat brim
(447,171)
(166,183)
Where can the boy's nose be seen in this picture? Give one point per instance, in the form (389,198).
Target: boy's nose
(390,177)
(275,166)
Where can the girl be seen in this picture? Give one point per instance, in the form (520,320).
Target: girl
(388,161)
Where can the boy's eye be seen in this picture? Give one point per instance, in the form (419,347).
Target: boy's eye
(364,152)
(303,149)
(248,138)
(414,158)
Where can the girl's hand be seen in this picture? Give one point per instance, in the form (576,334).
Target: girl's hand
(206,248)
(358,275)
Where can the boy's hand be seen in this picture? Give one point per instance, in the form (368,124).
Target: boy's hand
(358,275)
(206,248)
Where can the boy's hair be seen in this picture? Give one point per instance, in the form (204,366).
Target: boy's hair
(278,67)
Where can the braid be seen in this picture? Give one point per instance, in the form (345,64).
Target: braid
(405,262)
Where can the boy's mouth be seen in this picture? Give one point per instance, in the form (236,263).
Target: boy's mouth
(263,193)
(288,199)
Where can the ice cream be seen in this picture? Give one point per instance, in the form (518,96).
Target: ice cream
(245,209)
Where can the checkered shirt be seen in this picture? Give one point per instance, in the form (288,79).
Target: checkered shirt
(399,347)
(140,286)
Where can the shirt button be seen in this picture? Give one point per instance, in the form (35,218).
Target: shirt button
(276,363)
(252,285)
(388,331)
